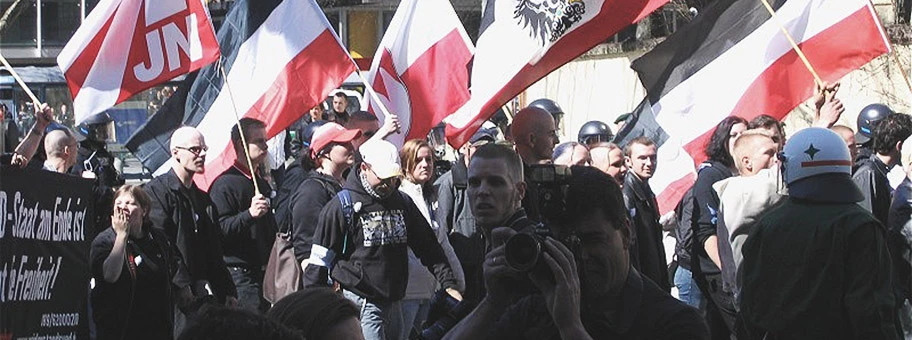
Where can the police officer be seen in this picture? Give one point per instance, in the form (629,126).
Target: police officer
(594,132)
(816,247)
(867,119)
(94,157)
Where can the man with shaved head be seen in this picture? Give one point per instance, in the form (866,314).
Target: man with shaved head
(609,158)
(61,149)
(744,198)
(186,215)
(848,136)
(534,135)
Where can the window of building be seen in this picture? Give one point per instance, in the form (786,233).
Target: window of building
(22,31)
(59,20)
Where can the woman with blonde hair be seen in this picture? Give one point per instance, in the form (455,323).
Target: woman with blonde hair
(417,159)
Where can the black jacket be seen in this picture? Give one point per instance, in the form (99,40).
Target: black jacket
(871,178)
(370,256)
(899,240)
(455,214)
(187,218)
(138,304)
(647,253)
(706,213)
(246,241)
(307,202)
(283,202)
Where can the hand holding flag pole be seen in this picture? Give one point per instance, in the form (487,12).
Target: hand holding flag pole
(372,93)
(256,187)
(791,41)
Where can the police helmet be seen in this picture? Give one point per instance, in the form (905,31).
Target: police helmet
(550,107)
(868,117)
(593,132)
(98,127)
(816,166)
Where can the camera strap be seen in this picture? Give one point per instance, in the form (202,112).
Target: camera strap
(348,210)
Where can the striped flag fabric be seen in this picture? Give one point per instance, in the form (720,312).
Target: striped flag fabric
(734,59)
(421,69)
(521,41)
(281,59)
(125,47)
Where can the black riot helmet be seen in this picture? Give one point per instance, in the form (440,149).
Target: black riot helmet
(550,107)
(594,132)
(98,127)
(868,118)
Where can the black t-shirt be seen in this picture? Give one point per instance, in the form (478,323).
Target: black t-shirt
(645,312)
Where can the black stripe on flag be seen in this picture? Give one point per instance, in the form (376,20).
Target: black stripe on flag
(717,28)
(642,122)
(195,95)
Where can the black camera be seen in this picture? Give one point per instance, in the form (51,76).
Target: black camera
(523,251)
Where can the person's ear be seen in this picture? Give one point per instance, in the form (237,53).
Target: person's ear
(746,163)
(520,191)
(899,145)
(628,162)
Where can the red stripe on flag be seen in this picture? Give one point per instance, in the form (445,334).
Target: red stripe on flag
(669,197)
(834,52)
(77,73)
(613,16)
(315,71)
(437,89)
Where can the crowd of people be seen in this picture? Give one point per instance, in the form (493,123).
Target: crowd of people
(780,237)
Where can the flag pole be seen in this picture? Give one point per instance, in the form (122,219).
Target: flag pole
(370,90)
(791,41)
(221,67)
(21,83)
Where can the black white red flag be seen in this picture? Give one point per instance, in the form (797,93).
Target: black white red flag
(733,59)
(125,47)
(281,59)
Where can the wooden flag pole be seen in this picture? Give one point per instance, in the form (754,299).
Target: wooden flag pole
(795,47)
(256,187)
(21,83)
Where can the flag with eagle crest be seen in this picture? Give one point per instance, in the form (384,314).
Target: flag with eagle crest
(521,41)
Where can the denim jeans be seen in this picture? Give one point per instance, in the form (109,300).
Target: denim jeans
(688,292)
(414,313)
(379,321)
(249,285)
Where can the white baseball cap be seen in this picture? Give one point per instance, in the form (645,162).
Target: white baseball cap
(382,156)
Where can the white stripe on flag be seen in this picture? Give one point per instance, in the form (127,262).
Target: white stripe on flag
(288,30)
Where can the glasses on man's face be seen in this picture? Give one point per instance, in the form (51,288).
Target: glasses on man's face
(196,150)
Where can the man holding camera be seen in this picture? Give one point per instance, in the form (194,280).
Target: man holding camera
(591,292)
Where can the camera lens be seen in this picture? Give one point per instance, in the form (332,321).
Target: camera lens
(522,251)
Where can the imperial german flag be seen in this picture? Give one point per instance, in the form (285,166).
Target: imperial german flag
(281,59)
(733,59)
(521,41)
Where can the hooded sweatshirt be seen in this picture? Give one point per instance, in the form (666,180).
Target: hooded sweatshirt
(370,256)
(742,201)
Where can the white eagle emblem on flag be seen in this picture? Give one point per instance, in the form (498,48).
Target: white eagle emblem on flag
(548,20)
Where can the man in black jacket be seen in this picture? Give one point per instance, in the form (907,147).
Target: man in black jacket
(871,175)
(185,214)
(363,244)
(455,214)
(247,223)
(535,136)
(647,253)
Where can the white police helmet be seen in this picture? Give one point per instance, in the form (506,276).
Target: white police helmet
(816,165)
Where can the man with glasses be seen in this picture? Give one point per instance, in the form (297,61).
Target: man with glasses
(186,215)
(362,239)
(247,222)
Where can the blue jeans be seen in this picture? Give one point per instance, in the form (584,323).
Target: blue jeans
(414,313)
(688,292)
(379,321)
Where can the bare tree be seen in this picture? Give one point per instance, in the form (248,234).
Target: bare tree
(11,13)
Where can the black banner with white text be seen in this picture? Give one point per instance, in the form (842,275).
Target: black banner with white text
(46,229)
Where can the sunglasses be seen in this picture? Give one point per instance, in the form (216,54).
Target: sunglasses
(196,150)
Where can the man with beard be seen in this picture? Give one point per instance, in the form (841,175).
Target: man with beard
(590,293)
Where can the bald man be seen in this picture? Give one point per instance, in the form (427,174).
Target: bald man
(186,215)
(848,136)
(61,149)
(534,135)
(609,158)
